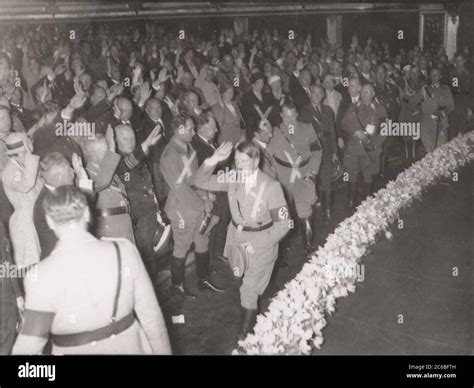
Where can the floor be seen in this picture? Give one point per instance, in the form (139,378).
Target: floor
(416,296)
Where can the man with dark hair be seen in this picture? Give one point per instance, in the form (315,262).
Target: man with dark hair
(260,219)
(321,117)
(186,208)
(204,144)
(297,153)
(437,103)
(255,104)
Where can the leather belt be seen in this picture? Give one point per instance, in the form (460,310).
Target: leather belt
(86,337)
(243,228)
(289,165)
(112,211)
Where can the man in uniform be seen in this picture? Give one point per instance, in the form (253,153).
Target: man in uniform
(89,296)
(462,86)
(260,219)
(139,187)
(262,137)
(112,209)
(187,209)
(321,117)
(387,95)
(437,103)
(364,144)
(297,153)
(204,144)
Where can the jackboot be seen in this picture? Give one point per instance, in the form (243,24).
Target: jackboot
(366,188)
(326,202)
(247,321)
(352,194)
(177,267)
(307,234)
(202,269)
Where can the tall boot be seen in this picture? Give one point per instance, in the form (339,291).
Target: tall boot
(202,269)
(247,321)
(307,234)
(353,192)
(366,187)
(326,202)
(177,268)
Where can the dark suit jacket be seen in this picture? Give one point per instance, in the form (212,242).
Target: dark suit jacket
(298,94)
(46,141)
(249,114)
(46,236)
(203,149)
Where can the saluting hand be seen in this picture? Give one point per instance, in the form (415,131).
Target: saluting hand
(78,167)
(222,153)
(110,138)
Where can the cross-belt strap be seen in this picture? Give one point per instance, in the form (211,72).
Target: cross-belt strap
(113,328)
(119,281)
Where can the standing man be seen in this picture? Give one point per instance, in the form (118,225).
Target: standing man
(437,103)
(297,154)
(204,144)
(90,296)
(321,117)
(112,207)
(56,171)
(261,138)
(260,219)
(364,145)
(186,208)
(139,188)
(12,302)
(387,95)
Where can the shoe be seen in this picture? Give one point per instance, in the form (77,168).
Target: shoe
(183,291)
(177,267)
(222,258)
(352,194)
(247,322)
(208,285)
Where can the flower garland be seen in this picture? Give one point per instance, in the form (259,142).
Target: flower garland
(296,316)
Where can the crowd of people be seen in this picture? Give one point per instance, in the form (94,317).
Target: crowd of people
(115,139)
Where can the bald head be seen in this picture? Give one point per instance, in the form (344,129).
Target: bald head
(153,108)
(354,87)
(367,93)
(123,108)
(95,149)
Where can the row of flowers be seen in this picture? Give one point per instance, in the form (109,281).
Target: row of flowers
(295,318)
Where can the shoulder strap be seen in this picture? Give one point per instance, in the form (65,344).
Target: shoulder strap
(119,281)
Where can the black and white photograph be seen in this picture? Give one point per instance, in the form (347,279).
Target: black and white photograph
(237,179)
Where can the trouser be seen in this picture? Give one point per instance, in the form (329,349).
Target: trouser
(186,232)
(368,165)
(145,229)
(218,234)
(9,317)
(257,277)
